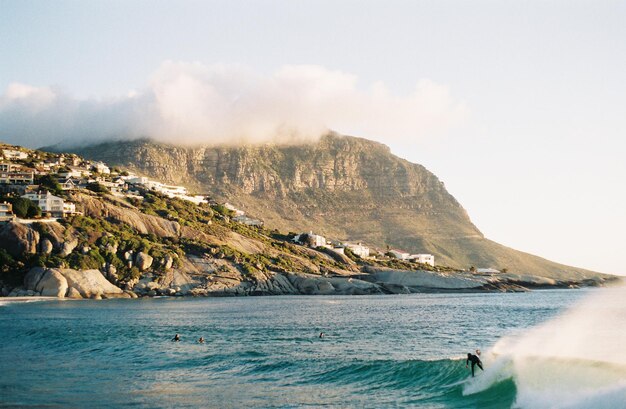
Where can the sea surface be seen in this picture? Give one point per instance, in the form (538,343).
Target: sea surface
(265,352)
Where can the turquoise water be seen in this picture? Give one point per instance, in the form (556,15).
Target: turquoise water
(379,351)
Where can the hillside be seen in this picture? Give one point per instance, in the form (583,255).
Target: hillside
(342,187)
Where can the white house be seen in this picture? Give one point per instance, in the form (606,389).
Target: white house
(423,259)
(49,203)
(101,168)
(17,178)
(487,271)
(234,209)
(74,172)
(313,240)
(401,255)
(6,212)
(358,249)
(14,154)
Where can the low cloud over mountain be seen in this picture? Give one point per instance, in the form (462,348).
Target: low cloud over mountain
(192,103)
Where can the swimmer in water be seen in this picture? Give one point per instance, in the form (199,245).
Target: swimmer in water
(176,338)
(322,335)
(201,340)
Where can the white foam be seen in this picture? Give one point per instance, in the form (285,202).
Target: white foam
(577,360)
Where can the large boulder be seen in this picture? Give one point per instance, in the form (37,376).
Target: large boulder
(18,239)
(143,261)
(49,282)
(52,284)
(70,283)
(168,261)
(68,246)
(34,275)
(89,283)
(45,246)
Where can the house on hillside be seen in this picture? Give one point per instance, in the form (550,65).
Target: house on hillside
(6,212)
(14,154)
(358,249)
(248,221)
(12,174)
(423,259)
(100,167)
(310,239)
(68,184)
(234,209)
(49,203)
(400,255)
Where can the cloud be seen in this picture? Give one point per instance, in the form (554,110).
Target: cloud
(192,103)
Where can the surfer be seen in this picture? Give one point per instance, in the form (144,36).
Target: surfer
(176,338)
(475,361)
(322,335)
(201,340)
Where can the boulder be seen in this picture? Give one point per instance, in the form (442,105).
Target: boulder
(168,261)
(52,284)
(34,275)
(18,239)
(89,283)
(68,246)
(73,293)
(45,246)
(111,248)
(143,261)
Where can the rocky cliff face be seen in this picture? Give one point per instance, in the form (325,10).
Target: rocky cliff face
(342,187)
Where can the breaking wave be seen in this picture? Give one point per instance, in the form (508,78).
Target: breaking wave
(576,360)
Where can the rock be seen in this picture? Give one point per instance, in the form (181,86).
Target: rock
(152,293)
(168,261)
(128,255)
(68,246)
(5,292)
(45,246)
(111,247)
(85,249)
(33,277)
(73,293)
(89,282)
(18,239)
(152,286)
(143,261)
(131,294)
(110,271)
(52,284)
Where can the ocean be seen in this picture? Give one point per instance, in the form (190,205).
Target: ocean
(541,349)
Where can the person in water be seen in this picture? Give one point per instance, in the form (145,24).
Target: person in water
(322,335)
(176,338)
(201,340)
(475,361)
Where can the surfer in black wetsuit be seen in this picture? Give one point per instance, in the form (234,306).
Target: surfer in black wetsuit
(176,338)
(475,361)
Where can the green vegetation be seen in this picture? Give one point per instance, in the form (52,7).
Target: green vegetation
(98,188)
(24,208)
(49,183)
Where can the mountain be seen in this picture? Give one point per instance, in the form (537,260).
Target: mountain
(342,187)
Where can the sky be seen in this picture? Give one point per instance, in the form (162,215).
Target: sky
(518,107)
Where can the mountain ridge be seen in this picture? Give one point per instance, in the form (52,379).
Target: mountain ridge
(344,187)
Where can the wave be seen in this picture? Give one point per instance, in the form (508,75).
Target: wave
(576,360)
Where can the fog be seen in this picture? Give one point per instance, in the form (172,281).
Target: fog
(193,103)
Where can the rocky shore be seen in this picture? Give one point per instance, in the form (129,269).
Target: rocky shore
(91,284)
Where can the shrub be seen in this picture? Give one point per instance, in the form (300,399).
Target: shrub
(24,208)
